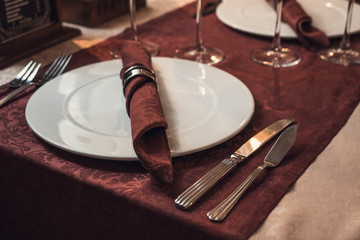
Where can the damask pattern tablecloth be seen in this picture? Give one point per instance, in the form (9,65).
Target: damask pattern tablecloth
(47,193)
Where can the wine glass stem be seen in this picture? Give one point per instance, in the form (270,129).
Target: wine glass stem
(277,40)
(345,41)
(132,5)
(199,40)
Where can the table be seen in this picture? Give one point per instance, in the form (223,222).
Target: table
(327,191)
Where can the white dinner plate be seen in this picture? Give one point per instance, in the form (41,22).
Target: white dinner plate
(83,111)
(258,17)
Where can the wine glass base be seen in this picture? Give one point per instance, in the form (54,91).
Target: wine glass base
(283,57)
(152,48)
(340,56)
(115,53)
(205,55)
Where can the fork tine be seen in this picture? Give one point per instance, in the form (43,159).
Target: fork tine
(60,66)
(27,73)
(23,71)
(52,67)
(22,88)
(65,63)
(56,67)
(33,74)
(20,78)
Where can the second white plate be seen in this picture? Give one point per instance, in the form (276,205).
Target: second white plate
(83,111)
(258,17)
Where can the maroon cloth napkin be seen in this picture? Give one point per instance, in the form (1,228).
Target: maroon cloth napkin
(310,36)
(147,118)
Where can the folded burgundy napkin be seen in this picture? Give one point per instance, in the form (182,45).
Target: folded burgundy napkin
(310,36)
(147,118)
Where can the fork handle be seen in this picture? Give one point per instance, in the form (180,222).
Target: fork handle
(6,85)
(15,93)
(199,188)
(221,211)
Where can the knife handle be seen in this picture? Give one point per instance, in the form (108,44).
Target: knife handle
(221,211)
(204,184)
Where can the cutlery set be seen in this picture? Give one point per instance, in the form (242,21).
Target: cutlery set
(26,77)
(282,145)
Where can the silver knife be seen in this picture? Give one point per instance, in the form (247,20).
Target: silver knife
(272,159)
(199,188)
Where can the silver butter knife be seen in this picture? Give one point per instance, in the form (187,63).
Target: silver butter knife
(198,189)
(272,159)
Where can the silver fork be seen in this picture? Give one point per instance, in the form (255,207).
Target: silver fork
(55,69)
(21,77)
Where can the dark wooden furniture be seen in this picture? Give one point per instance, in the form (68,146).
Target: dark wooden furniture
(94,12)
(28,27)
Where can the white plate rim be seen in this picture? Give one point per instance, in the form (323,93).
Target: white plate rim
(286,32)
(30,119)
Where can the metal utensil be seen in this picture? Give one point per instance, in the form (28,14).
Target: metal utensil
(21,77)
(204,184)
(55,69)
(272,159)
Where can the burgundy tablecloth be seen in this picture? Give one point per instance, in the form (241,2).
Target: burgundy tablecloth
(46,193)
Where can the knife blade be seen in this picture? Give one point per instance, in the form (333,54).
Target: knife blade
(272,159)
(191,195)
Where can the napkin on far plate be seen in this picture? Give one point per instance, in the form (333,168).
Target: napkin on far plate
(147,118)
(310,36)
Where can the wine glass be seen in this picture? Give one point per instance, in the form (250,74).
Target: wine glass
(344,54)
(152,48)
(199,52)
(276,56)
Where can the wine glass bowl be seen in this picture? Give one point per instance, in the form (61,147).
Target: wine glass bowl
(200,52)
(344,54)
(276,56)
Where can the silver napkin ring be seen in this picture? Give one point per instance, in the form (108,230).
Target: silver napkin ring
(136,71)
